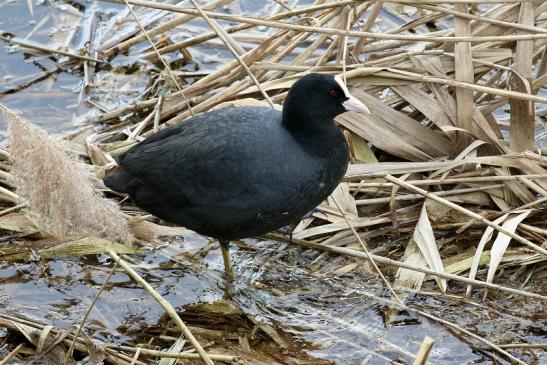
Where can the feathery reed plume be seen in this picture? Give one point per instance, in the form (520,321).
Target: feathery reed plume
(56,188)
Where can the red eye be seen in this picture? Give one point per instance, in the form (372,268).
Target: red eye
(333,93)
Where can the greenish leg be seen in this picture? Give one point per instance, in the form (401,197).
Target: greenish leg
(225,248)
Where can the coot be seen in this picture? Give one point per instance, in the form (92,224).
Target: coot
(240,172)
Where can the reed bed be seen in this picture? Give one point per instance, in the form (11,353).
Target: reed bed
(450,164)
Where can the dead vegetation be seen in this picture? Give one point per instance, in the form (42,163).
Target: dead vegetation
(37,162)
(447,165)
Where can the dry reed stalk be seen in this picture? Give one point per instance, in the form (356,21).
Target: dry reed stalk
(448,181)
(420,196)
(165,305)
(482,19)
(522,113)
(16,208)
(364,171)
(464,72)
(8,195)
(411,76)
(332,31)
(61,336)
(111,50)
(9,357)
(127,109)
(136,356)
(47,50)
(165,65)
(524,346)
(423,353)
(208,36)
(385,261)
(70,207)
(175,355)
(469,213)
(534,187)
(233,47)
(367,26)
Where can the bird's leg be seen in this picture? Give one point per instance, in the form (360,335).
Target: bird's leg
(225,248)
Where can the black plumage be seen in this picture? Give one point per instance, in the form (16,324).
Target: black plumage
(240,172)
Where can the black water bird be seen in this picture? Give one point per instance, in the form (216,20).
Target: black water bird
(240,172)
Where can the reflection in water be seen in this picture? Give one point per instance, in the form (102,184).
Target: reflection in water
(51,102)
(340,316)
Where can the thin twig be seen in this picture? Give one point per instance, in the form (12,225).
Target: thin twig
(369,256)
(467,212)
(165,305)
(230,44)
(165,65)
(13,209)
(44,49)
(173,355)
(524,346)
(333,31)
(418,196)
(89,309)
(423,353)
(11,355)
(385,261)
(471,334)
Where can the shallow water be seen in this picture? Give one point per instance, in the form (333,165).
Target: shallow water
(59,103)
(340,318)
(53,102)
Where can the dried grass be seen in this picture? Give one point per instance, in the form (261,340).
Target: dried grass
(435,97)
(57,188)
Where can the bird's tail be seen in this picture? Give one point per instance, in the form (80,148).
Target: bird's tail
(117,179)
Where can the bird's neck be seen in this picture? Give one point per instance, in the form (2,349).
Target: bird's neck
(319,136)
(304,120)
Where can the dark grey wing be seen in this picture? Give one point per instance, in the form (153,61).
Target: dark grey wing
(203,161)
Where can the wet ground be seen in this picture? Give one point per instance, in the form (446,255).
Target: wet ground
(323,309)
(53,99)
(317,309)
